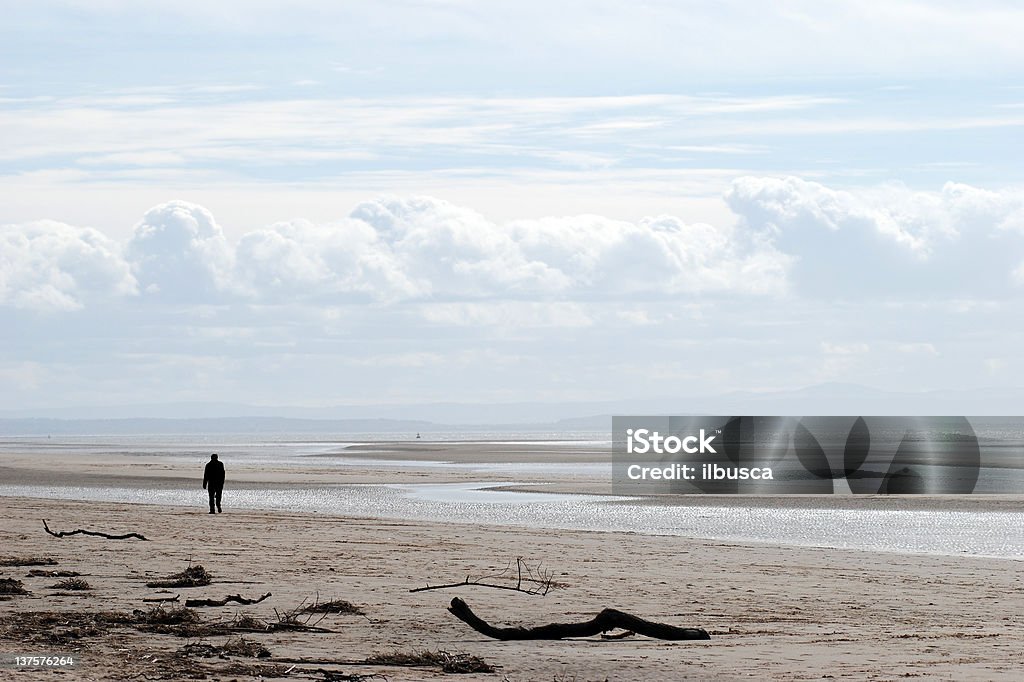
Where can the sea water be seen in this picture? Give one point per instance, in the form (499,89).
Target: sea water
(974,533)
(946,532)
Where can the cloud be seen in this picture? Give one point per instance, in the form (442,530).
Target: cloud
(790,236)
(179,252)
(995,365)
(661,254)
(844,348)
(509,314)
(396,249)
(24,376)
(794,205)
(839,359)
(422,248)
(50,266)
(303,259)
(919,349)
(890,239)
(451,251)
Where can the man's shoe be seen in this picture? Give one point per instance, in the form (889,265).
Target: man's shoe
(211,511)
(219,510)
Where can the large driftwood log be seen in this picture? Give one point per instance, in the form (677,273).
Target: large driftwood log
(66,533)
(608,619)
(238,599)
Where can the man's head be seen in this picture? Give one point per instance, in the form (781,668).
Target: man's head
(213,457)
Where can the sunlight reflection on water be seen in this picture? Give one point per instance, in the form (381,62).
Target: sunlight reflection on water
(981,533)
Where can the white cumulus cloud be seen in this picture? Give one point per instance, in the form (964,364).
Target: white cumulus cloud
(389,250)
(889,239)
(449,250)
(178,251)
(661,255)
(428,249)
(790,235)
(302,259)
(51,266)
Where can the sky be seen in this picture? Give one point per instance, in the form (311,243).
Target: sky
(342,203)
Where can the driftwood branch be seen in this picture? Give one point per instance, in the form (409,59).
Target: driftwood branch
(108,536)
(608,619)
(468,581)
(161,600)
(238,599)
(528,580)
(299,618)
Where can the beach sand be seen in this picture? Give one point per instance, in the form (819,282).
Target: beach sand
(774,612)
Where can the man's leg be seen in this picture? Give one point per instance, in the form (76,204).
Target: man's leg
(212,495)
(219,492)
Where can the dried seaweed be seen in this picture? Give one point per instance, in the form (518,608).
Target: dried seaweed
(193,576)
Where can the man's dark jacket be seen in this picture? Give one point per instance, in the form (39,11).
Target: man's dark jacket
(214,475)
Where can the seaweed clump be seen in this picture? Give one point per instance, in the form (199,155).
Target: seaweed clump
(193,576)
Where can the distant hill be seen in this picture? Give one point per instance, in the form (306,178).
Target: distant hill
(275,425)
(822,399)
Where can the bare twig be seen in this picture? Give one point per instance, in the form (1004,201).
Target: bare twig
(66,533)
(336,676)
(238,599)
(39,573)
(528,580)
(298,618)
(157,600)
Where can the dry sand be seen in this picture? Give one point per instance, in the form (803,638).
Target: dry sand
(773,612)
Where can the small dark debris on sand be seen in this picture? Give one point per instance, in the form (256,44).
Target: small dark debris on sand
(335,606)
(337,676)
(161,615)
(73,584)
(247,622)
(12,586)
(239,646)
(182,621)
(175,620)
(40,573)
(446,661)
(193,576)
(27,561)
(60,628)
(201,650)
(191,665)
(290,621)
(56,628)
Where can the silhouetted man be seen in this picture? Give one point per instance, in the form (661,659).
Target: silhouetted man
(213,481)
